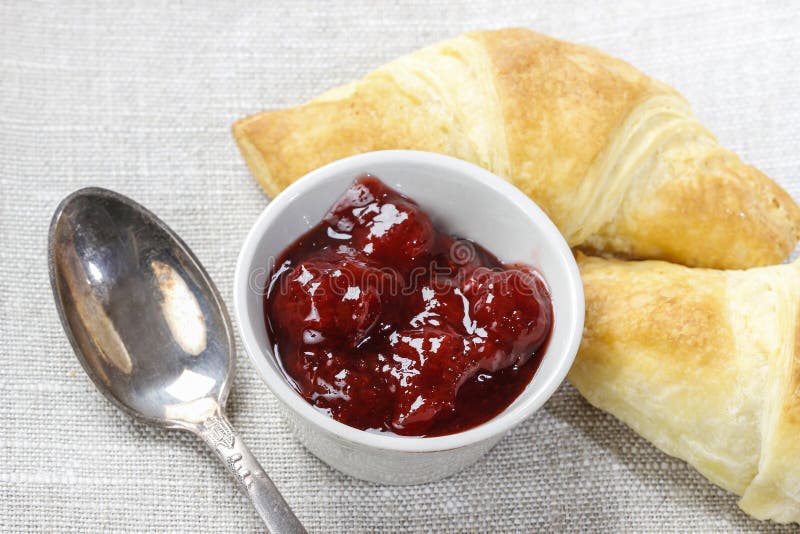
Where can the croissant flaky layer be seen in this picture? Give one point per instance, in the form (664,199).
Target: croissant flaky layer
(706,365)
(614,157)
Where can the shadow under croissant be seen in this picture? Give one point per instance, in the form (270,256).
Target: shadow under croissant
(514,488)
(636,454)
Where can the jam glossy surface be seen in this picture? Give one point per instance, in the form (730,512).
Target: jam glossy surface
(386,324)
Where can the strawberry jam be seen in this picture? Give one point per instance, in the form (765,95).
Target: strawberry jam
(386,324)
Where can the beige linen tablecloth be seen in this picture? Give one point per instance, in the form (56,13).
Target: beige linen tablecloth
(140,98)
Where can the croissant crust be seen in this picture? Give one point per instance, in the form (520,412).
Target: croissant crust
(705,364)
(615,158)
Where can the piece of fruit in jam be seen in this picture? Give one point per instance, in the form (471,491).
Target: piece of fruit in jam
(382,225)
(514,311)
(323,301)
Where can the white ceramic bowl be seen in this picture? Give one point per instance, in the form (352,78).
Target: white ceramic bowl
(464,200)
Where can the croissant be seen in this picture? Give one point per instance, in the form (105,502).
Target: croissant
(705,364)
(615,158)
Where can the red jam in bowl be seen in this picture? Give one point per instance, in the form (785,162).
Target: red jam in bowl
(386,324)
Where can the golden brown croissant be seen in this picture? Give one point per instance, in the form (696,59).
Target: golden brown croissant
(706,365)
(615,158)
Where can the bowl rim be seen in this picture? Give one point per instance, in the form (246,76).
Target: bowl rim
(496,426)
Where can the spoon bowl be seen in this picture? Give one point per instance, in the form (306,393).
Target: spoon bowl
(146,321)
(151,330)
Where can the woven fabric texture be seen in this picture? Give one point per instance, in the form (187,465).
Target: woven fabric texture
(139,97)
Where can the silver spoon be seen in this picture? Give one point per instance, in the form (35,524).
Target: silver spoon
(151,330)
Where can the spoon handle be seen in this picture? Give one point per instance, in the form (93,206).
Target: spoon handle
(253,481)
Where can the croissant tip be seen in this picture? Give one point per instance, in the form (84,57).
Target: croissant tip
(239,125)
